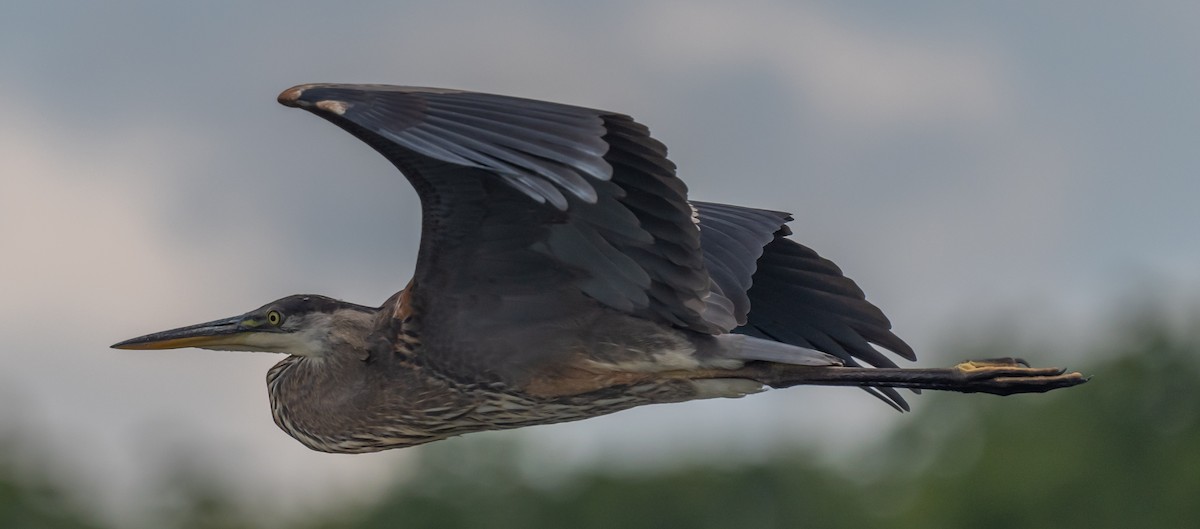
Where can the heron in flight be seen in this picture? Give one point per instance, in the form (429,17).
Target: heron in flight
(562,274)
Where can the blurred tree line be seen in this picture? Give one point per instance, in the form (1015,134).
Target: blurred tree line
(1121,451)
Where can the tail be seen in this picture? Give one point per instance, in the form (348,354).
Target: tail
(732,355)
(743,349)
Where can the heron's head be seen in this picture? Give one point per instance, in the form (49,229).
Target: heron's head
(304,325)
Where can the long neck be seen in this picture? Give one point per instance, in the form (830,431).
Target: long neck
(318,396)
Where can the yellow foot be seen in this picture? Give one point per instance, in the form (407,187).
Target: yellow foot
(1004,376)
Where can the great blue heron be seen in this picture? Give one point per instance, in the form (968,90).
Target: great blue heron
(562,274)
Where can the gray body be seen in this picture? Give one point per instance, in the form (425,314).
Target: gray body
(562,274)
(368,390)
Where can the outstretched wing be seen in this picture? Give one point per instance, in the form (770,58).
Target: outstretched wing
(534,215)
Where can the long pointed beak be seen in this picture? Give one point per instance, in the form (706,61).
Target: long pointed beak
(226,332)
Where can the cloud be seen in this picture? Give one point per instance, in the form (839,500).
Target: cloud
(87,262)
(860,74)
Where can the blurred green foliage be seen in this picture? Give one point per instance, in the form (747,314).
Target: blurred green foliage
(31,502)
(1121,451)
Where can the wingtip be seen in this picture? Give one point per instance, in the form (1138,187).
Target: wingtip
(291,96)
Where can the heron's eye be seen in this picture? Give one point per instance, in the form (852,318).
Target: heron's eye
(274,318)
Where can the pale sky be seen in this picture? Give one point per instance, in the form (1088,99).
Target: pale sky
(1030,163)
